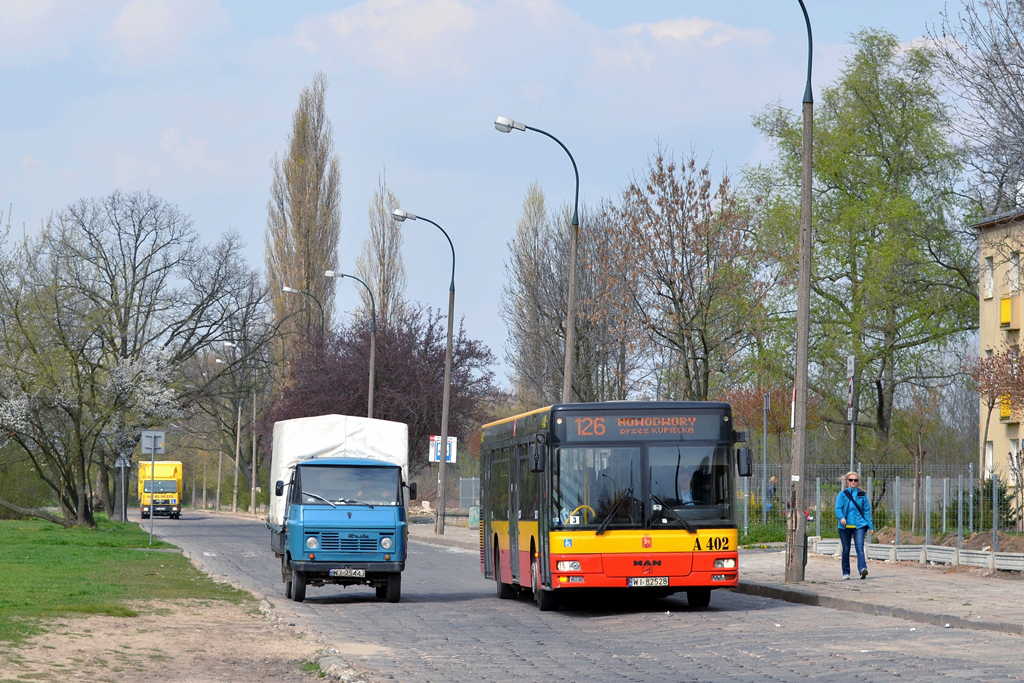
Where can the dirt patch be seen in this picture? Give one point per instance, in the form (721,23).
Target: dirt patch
(169,641)
(982,540)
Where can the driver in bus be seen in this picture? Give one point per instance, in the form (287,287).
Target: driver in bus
(615,481)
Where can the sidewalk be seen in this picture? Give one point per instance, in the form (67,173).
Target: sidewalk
(957,597)
(962,597)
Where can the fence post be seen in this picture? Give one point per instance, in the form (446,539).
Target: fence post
(995,512)
(945,502)
(928,510)
(817,507)
(970,485)
(869,485)
(897,496)
(960,514)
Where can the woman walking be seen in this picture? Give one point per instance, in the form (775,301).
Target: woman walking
(853,510)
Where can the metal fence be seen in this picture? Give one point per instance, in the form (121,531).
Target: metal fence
(939,499)
(469,492)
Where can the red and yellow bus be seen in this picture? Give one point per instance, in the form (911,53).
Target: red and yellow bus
(635,494)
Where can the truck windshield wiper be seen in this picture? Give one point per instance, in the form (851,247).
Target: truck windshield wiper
(313,495)
(349,501)
(626,493)
(667,508)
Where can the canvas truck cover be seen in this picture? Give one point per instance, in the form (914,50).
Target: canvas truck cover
(332,436)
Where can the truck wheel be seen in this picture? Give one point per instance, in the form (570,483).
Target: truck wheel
(393,592)
(298,586)
(698,599)
(288,589)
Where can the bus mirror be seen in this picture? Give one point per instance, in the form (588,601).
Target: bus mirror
(744,462)
(740,436)
(538,455)
(279,488)
(412,491)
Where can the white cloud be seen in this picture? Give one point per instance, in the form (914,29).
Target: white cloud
(41,31)
(405,38)
(29,160)
(150,29)
(190,154)
(698,30)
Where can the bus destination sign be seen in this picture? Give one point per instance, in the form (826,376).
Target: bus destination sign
(616,426)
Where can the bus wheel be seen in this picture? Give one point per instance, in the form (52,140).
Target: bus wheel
(298,586)
(698,599)
(547,601)
(505,591)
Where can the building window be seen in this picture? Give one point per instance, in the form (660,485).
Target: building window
(988,278)
(989,450)
(1013,454)
(1013,273)
(988,353)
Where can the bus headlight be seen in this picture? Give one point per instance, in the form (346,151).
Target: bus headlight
(725,563)
(312,543)
(568,566)
(386,543)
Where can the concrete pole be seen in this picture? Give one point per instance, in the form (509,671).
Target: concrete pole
(238,448)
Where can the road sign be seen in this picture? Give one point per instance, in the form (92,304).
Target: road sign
(153,441)
(435,449)
(123,463)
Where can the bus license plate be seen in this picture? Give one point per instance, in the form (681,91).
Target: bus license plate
(345,571)
(647,581)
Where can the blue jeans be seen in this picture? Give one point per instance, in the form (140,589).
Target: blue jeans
(857,535)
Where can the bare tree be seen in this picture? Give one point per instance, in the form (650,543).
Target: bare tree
(696,278)
(380,263)
(982,57)
(304,215)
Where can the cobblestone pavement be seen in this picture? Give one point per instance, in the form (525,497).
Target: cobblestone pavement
(449,626)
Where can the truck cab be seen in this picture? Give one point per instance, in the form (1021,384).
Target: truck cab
(345,523)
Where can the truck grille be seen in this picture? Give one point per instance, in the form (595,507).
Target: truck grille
(332,540)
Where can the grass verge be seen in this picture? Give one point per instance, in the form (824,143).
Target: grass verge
(49,572)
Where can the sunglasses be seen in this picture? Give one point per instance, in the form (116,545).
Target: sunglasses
(853,480)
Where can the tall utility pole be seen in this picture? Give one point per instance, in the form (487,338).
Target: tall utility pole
(796,523)
(252,495)
(238,455)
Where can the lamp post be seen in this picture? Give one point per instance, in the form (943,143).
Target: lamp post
(796,524)
(238,442)
(506,125)
(286,288)
(373,334)
(401,216)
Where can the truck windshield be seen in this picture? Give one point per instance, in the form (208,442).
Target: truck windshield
(347,485)
(160,486)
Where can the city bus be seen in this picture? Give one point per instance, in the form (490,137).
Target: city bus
(636,495)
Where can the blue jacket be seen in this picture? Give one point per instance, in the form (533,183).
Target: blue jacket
(846,508)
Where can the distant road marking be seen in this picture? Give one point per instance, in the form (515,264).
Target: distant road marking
(209,554)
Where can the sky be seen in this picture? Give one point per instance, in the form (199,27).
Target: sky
(192,99)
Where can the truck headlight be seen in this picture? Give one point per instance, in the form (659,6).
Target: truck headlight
(727,563)
(312,543)
(385,543)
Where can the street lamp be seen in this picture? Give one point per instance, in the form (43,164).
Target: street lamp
(506,125)
(286,288)
(401,216)
(373,334)
(796,524)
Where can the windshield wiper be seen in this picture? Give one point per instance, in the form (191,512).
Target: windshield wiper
(313,495)
(626,493)
(349,501)
(665,507)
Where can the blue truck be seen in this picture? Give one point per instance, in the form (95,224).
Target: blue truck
(337,513)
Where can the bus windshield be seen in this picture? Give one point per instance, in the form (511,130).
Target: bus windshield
(640,486)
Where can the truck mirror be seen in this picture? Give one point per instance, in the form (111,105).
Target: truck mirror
(538,455)
(744,462)
(279,488)
(412,491)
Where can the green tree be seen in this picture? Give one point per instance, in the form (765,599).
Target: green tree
(892,283)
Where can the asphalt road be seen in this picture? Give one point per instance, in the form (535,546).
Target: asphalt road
(449,626)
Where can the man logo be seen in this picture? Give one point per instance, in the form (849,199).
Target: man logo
(646,563)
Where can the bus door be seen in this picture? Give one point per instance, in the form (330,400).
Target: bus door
(486,505)
(517,456)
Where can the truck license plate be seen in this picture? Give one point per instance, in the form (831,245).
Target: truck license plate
(647,581)
(345,571)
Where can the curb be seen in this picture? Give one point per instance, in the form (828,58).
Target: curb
(803,597)
(444,541)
